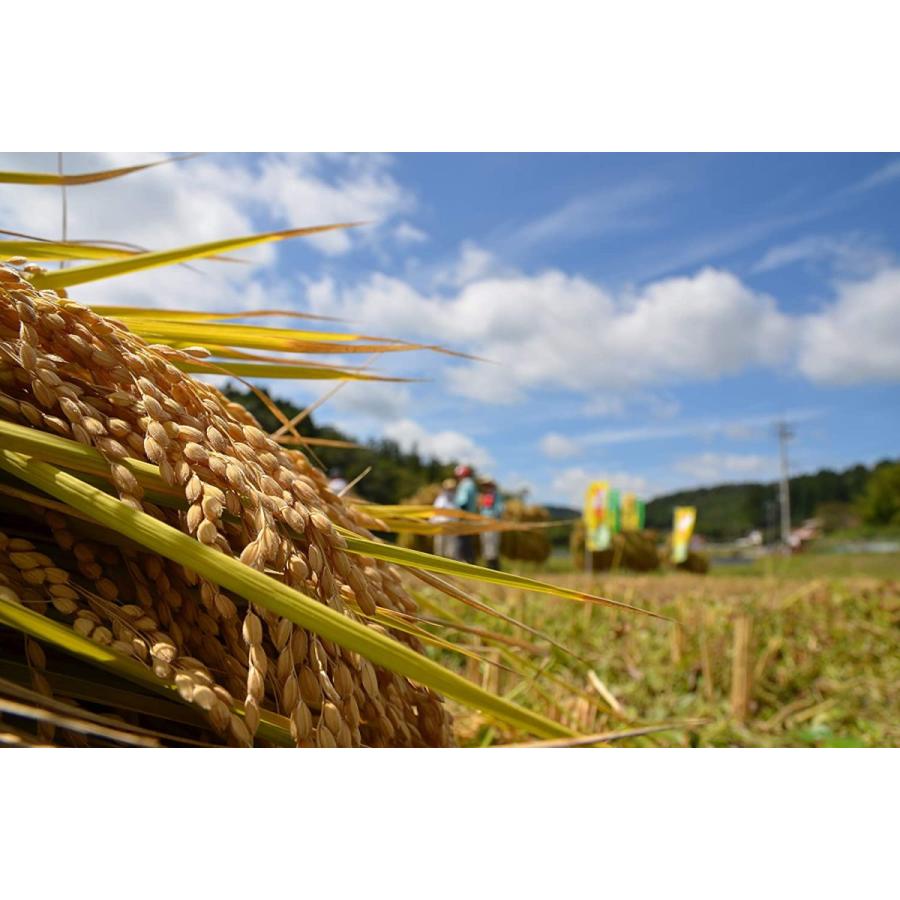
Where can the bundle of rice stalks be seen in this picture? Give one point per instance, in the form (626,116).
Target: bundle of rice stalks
(159,573)
(425,496)
(152,530)
(630,550)
(68,371)
(698,563)
(530,545)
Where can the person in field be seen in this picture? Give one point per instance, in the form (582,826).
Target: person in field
(446,544)
(491,507)
(466,499)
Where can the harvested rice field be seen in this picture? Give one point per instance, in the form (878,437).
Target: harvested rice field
(752,662)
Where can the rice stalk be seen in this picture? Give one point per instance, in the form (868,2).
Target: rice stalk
(244,582)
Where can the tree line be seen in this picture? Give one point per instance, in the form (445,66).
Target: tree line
(395,473)
(727,511)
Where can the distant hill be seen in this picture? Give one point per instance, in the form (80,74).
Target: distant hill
(727,511)
(562,512)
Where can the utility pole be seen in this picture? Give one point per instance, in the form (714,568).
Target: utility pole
(785,433)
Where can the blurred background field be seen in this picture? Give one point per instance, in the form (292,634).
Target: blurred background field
(770,649)
(787,652)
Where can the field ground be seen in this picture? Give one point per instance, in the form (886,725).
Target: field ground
(789,652)
(817,565)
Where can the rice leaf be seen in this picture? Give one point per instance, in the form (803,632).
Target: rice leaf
(401,556)
(65,278)
(182,315)
(72,455)
(51,178)
(62,637)
(285,370)
(276,596)
(55,250)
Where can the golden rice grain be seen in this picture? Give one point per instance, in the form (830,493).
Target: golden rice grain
(66,370)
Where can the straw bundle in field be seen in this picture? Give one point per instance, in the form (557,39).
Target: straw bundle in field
(531,545)
(424,496)
(67,371)
(631,550)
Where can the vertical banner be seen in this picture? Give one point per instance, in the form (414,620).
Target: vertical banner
(640,513)
(629,512)
(596,527)
(682,529)
(613,511)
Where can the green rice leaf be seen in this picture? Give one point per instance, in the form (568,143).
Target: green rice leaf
(418,560)
(54,250)
(272,727)
(65,278)
(70,454)
(187,315)
(281,599)
(279,370)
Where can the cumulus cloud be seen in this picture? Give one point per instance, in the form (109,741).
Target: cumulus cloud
(713,467)
(472,263)
(857,337)
(381,401)
(182,202)
(306,188)
(206,198)
(446,446)
(554,330)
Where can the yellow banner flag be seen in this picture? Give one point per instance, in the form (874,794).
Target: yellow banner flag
(629,513)
(596,526)
(682,529)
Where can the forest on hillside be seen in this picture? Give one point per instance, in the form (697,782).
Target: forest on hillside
(727,511)
(395,474)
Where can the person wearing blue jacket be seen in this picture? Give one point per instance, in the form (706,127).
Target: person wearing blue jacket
(490,505)
(466,499)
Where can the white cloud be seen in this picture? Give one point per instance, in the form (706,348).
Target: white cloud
(558,446)
(857,337)
(471,264)
(445,446)
(604,405)
(736,429)
(205,198)
(851,254)
(569,485)
(316,189)
(623,207)
(554,330)
(178,203)
(716,467)
(888,172)
(378,400)
(409,234)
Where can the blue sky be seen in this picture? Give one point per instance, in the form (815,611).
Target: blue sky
(647,317)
